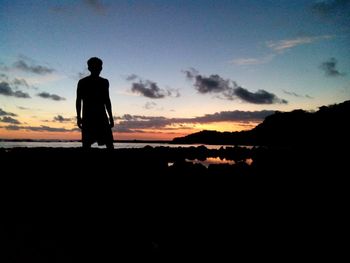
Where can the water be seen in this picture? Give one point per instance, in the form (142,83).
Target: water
(123,145)
(76,144)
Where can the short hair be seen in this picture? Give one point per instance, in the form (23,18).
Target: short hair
(94,61)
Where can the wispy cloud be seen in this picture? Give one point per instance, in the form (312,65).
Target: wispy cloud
(150,105)
(252,61)
(285,44)
(41,128)
(47,95)
(228,89)
(32,68)
(330,68)
(279,47)
(291,93)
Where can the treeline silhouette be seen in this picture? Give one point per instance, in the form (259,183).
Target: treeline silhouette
(326,126)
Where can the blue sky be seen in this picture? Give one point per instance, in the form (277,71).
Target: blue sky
(174,67)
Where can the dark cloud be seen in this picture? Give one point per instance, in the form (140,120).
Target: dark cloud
(237,116)
(329,68)
(60,118)
(41,128)
(47,95)
(211,84)
(96,5)
(330,7)
(143,122)
(132,77)
(259,97)
(335,12)
(8,119)
(37,69)
(131,123)
(6,90)
(150,89)
(5,113)
(12,127)
(72,8)
(229,89)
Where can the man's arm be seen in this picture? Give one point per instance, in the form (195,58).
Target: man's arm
(109,107)
(78,107)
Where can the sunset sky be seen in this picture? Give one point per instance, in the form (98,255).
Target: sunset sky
(174,67)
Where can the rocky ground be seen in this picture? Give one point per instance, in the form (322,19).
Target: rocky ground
(71,205)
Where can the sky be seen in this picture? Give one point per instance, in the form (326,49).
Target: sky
(174,67)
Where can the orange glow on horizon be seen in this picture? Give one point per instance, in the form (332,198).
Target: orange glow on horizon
(147,134)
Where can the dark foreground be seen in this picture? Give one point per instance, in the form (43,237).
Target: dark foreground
(69,205)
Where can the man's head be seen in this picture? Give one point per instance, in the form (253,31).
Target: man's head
(95,65)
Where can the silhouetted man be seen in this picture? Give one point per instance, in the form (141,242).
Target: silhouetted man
(93,91)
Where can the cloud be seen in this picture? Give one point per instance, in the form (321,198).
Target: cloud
(133,123)
(47,95)
(150,105)
(72,8)
(259,97)
(291,93)
(278,48)
(237,116)
(252,61)
(37,69)
(132,77)
(328,8)
(329,68)
(211,84)
(5,113)
(21,82)
(4,77)
(96,5)
(16,82)
(6,90)
(41,128)
(285,44)
(60,118)
(150,89)
(229,89)
(8,119)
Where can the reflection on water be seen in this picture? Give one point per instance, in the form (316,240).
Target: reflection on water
(218,160)
(212,160)
(117,145)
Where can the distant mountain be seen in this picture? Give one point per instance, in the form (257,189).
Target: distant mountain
(327,126)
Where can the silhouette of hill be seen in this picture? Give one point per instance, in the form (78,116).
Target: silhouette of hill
(327,126)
